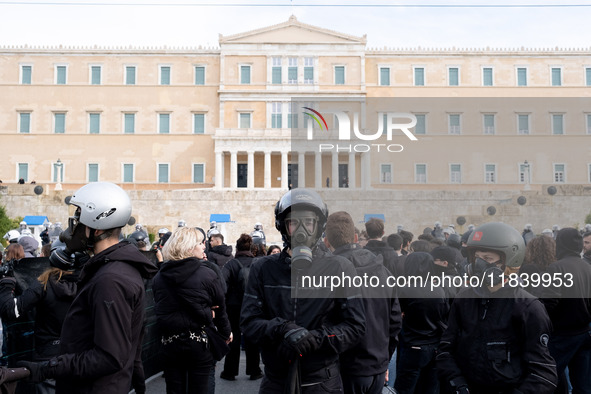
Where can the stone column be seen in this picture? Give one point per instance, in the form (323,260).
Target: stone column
(250,180)
(267,171)
(284,170)
(334,182)
(233,170)
(352,170)
(317,170)
(219,170)
(302,169)
(365,171)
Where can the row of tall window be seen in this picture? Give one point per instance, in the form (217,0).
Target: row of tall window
(281,119)
(489,124)
(293,70)
(128,172)
(94,122)
(524,173)
(555,76)
(95,74)
(163,171)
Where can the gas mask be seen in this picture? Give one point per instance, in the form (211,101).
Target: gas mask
(302,228)
(75,235)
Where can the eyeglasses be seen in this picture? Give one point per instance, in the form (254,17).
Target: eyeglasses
(309,223)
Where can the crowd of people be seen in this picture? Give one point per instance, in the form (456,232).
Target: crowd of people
(503,333)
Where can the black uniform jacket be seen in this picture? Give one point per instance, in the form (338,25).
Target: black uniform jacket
(498,344)
(103,329)
(274,297)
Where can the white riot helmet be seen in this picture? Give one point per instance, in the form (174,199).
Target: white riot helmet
(103,205)
(12,236)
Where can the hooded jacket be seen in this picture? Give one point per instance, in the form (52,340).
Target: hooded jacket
(569,306)
(29,245)
(103,329)
(185,292)
(383,319)
(220,254)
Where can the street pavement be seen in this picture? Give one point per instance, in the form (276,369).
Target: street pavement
(242,384)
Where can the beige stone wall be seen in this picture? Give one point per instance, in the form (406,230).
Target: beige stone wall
(415,209)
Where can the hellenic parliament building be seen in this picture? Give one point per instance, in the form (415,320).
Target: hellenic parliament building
(499,133)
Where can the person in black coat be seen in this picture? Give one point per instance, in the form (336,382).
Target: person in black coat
(497,334)
(188,297)
(301,328)
(219,252)
(101,340)
(425,317)
(364,366)
(569,307)
(51,295)
(375,231)
(235,273)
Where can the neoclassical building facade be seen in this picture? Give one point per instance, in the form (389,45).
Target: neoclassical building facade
(224,118)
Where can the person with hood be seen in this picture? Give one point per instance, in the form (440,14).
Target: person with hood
(29,245)
(189,297)
(363,367)
(569,307)
(52,295)
(100,343)
(496,339)
(425,319)
(444,266)
(219,252)
(301,328)
(236,272)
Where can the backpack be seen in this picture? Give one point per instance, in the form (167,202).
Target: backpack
(243,275)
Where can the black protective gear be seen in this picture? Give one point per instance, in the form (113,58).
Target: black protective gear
(500,238)
(301,200)
(297,342)
(39,371)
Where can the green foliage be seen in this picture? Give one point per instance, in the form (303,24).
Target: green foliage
(588,219)
(5,224)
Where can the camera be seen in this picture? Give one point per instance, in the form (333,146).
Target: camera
(7,269)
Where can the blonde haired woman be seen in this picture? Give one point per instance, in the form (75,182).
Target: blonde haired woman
(187,292)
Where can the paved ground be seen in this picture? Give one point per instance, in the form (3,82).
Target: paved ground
(242,384)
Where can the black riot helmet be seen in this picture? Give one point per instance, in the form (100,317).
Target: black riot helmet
(298,201)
